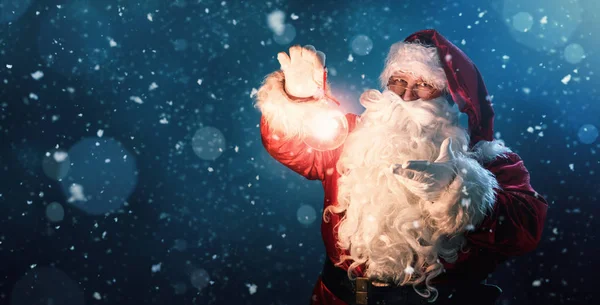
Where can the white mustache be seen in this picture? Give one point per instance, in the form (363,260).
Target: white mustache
(387,106)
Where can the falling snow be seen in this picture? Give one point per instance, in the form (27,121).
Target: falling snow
(156,268)
(252,288)
(134,163)
(37,75)
(136,99)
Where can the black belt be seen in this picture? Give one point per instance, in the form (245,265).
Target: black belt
(362,291)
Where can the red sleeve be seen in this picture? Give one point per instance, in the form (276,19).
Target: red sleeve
(296,155)
(515,225)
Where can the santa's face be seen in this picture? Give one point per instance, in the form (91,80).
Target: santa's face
(423,117)
(410,87)
(384,224)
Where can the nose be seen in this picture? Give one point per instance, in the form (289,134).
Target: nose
(409,95)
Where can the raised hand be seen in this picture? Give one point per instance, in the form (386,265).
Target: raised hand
(303,70)
(429,179)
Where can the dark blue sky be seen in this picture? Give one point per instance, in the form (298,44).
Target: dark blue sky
(144,112)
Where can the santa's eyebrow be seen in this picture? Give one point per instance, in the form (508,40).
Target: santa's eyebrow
(408,82)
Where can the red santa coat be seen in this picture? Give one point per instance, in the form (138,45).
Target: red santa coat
(513,228)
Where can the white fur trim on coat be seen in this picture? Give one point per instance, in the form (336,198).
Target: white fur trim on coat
(468,199)
(283,114)
(486,151)
(417,59)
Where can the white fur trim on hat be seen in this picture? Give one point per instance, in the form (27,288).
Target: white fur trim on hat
(417,59)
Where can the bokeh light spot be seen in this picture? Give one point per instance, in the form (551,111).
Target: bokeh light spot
(587,134)
(55,212)
(574,53)
(306,214)
(56,164)
(103,174)
(362,45)
(287,36)
(46,285)
(199,279)
(208,143)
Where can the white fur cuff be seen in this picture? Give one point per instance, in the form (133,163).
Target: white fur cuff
(283,114)
(486,151)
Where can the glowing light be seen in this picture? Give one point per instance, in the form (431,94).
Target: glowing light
(326,130)
(325,126)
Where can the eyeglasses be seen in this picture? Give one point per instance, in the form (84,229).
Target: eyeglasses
(423,90)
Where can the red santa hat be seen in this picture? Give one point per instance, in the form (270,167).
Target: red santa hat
(429,55)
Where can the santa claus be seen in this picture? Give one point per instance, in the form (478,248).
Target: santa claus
(417,209)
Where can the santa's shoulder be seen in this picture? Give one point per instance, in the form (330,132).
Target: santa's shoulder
(488,151)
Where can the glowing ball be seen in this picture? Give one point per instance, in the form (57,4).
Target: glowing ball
(326,130)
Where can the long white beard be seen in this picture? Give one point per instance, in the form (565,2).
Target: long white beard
(385,225)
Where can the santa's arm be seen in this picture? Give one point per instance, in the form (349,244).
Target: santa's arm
(282,132)
(514,226)
(494,205)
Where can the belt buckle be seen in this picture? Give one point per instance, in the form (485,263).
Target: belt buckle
(362,286)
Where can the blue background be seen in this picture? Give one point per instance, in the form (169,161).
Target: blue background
(183,221)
